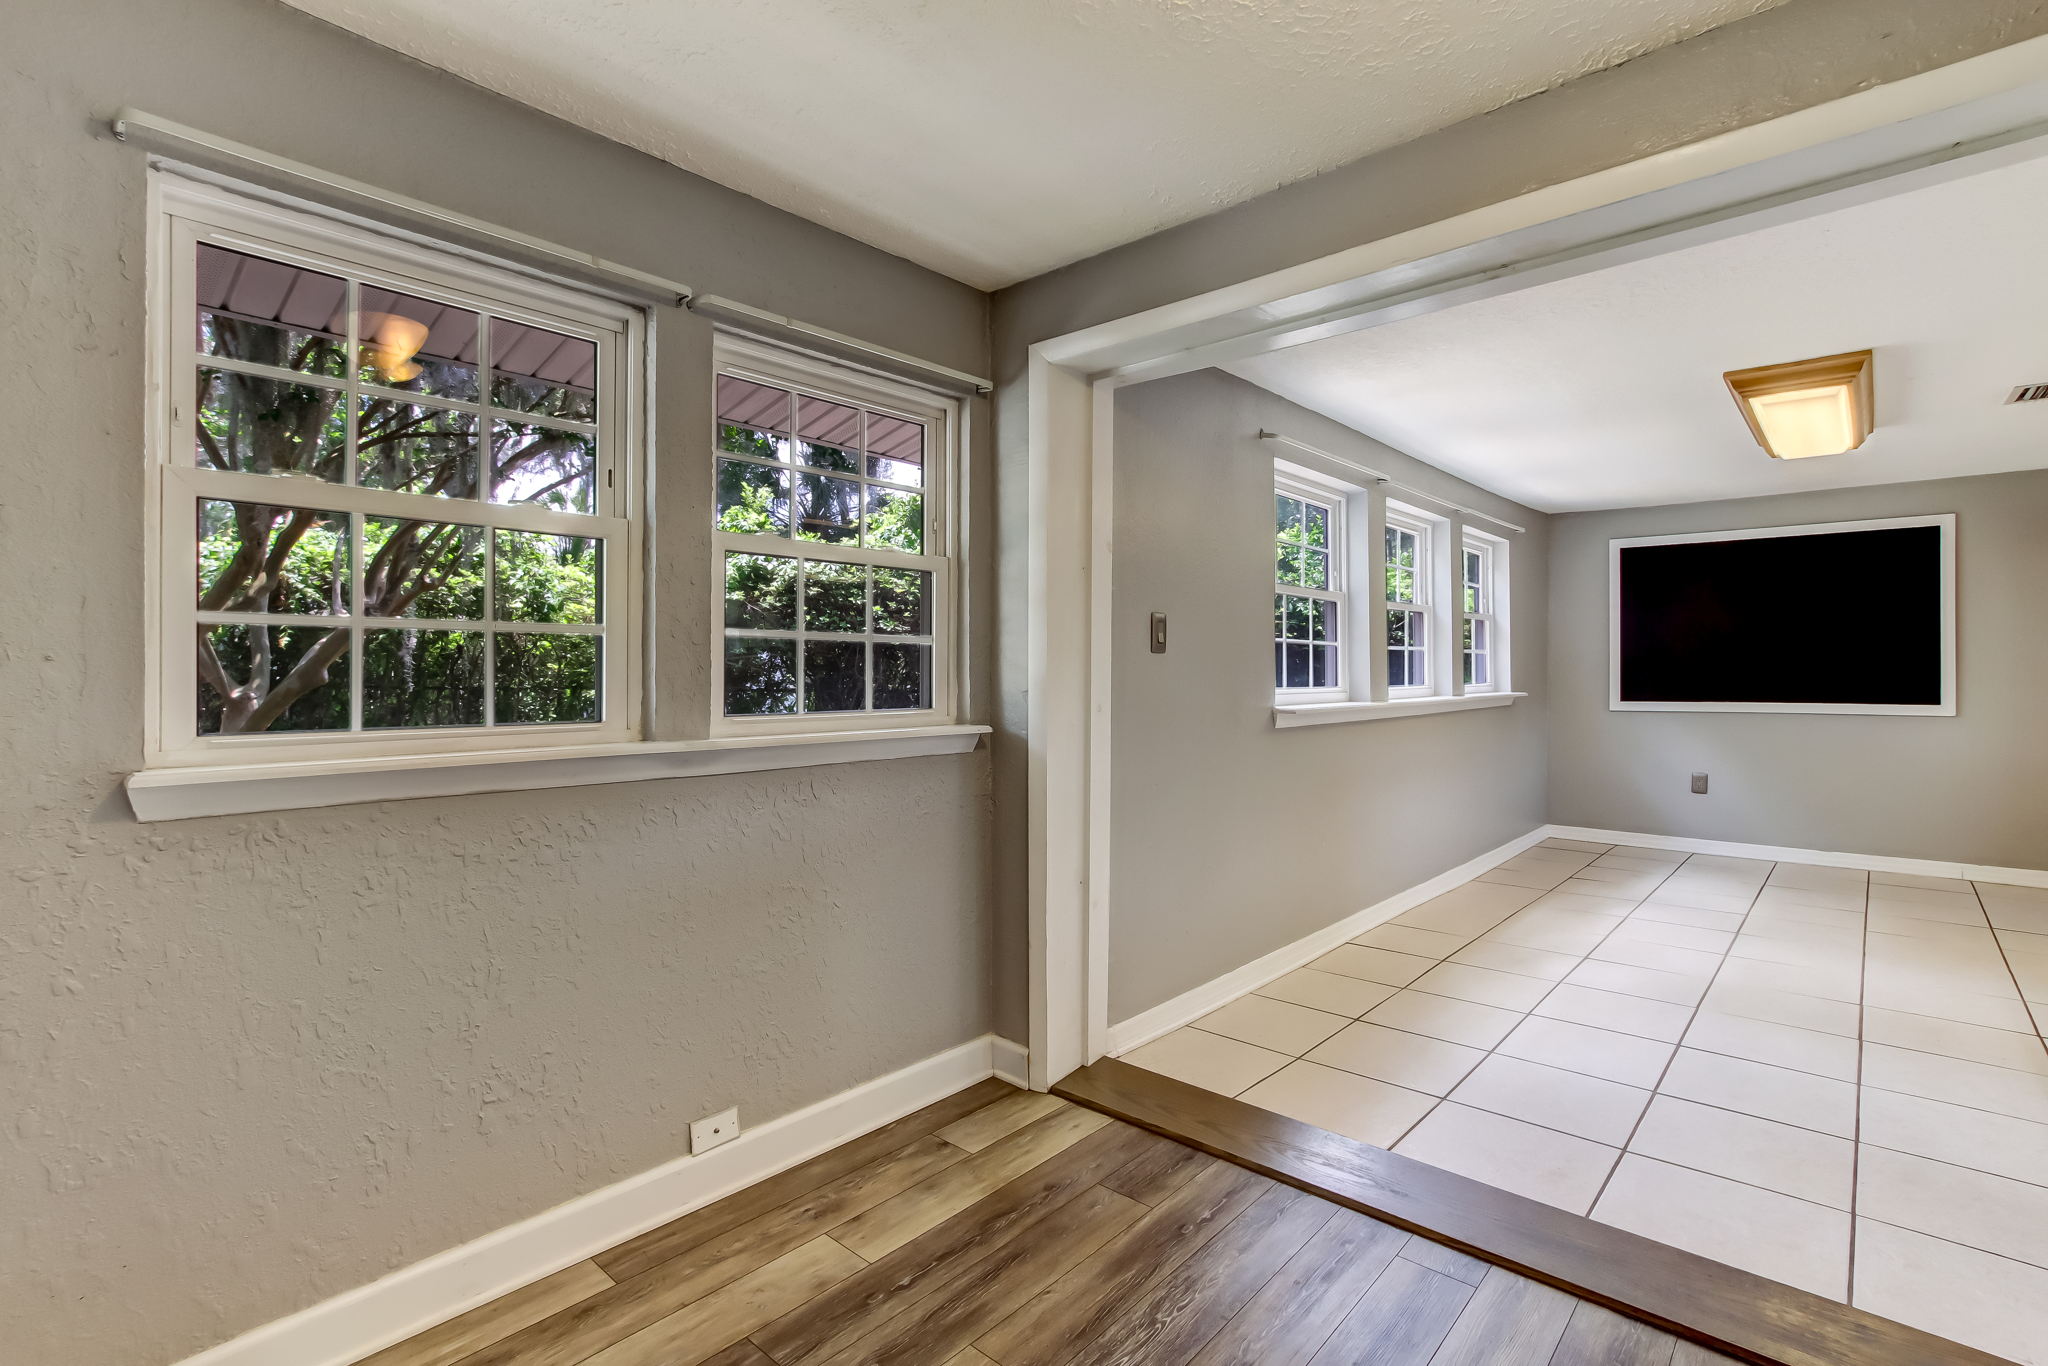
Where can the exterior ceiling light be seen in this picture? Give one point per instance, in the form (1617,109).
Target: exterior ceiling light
(1806,407)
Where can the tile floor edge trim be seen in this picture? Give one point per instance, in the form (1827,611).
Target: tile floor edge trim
(1196,1002)
(394,1307)
(1881,863)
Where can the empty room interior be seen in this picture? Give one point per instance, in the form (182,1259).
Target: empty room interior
(985,685)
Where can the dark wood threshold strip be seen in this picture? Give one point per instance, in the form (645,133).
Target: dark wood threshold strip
(1693,1297)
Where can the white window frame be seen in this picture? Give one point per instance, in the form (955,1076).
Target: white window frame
(1425,530)
(785,367)
(1491,608)
(1293,482)
(184,213)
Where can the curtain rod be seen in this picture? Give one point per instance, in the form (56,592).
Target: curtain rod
(1376,475)
(195,148)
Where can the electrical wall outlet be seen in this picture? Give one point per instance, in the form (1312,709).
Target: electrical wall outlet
(712,1130)
(1699,784)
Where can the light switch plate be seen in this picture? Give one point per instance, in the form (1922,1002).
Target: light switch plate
(712,1130)
(1699,784)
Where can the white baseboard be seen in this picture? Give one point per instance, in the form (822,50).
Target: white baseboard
(1882,863)
(1012,1061)
(371,1317)
(1168,1016)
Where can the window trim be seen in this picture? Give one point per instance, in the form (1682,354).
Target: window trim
(783,366)
(183,212)
(1291,481)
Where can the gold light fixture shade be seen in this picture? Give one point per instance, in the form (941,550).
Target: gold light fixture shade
(1805,408)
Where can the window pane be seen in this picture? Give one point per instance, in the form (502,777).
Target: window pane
(902,603)
(834,675)
(539,371)
(902,676)
(1322,666)
(254,557)
(1279,614)
(895,520)
(1322,619)
(422,678)
(1287,516)
(828,434)
(413,448)
(827,509)
(752,441)
(743,403)
(1295,616)
(1473,582)
(1397,668)
(760,591)
(420,345)
(270,679)
(895,450)
(422,569)
(271,313)
(543,577)
(835,596)
(1297,667)
(753,500)
(543,466)
(1401,554)
(1315,524)
(269,426)
(1279,665)
(1315,568)
(543,679)
(760,676)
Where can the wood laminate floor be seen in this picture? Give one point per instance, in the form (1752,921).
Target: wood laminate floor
(1010,1228)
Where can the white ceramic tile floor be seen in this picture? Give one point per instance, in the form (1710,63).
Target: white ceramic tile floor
(1774,1066)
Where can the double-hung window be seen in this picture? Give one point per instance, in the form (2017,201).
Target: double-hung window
(834,545)
(1308,591)
(1476,589)
(1408,603)
(395,509)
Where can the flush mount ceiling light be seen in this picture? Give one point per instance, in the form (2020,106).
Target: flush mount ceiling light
(1805,408)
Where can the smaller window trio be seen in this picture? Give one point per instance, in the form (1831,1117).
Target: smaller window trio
(1319,530)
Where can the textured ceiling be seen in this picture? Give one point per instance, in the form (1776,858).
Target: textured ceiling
(996,139)
(1605,390)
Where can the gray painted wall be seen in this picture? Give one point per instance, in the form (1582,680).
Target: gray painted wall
(252,1062)
(1966,788)
(1796,55)
(1232,838)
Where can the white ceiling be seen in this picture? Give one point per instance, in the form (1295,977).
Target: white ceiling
(1605,390)
(996,139)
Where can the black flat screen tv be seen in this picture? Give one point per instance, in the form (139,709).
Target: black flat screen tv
(1844,617)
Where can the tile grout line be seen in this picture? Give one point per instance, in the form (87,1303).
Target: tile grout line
(1664,1072)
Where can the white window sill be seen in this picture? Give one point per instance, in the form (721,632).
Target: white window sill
(1330,713)
(169,794)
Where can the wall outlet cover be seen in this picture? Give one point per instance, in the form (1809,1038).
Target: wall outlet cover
(712,1130)
(1699,783)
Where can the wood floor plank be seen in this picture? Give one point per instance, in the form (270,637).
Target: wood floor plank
(1073,1309)
(678,1236)
(725,1316)
(488,1323)
(1163,1168)
(1600,1337)
(1173,1319)
(1400,1320)
(1434,1255)
(1288,1321)
(1511,1321)
(741,1353)
(896,1221)
(1747,1316)
(999,1120)
(967,1356)
(964,1306)
(899,1281)
(668,1286)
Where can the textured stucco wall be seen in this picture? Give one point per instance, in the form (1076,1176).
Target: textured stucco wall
(1231,838)
(1966,787)
(1799,54)
(252,1062)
